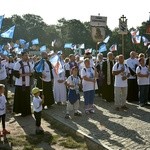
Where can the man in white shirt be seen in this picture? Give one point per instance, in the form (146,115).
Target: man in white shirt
(45,80)
(121,73)
(3,72)
(22,72)
(132,63)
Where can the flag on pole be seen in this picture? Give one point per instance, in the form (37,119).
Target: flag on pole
(55,61)
(68,45)
(145,40)
(1,20)
(136,39)
(106,39)
(102,48)
(74,46)
(43,48)
(40,66)
(26,45)
(22,41)
(35,41)
(81,46)
(113,48)
(53,43)
(9,33)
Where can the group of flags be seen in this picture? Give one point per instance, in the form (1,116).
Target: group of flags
(136,38)
(55,61)
(74,46)
(103,47)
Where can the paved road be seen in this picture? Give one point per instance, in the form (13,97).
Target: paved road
(124,130)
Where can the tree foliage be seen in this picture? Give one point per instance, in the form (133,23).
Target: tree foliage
(30,26)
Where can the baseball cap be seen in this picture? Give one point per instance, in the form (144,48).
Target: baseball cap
(35,90)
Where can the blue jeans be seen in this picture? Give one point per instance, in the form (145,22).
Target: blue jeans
(89,97)
(144,89)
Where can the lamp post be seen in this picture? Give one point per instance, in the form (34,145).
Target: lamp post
(122,29)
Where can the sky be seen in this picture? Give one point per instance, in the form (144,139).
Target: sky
(53,10)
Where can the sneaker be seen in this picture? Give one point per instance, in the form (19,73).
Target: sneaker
(92,111)
(59,103)
(67,116)
(45,107)
(5,131)
(78,113)
(87,112)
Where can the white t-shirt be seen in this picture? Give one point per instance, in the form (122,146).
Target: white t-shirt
(37,107)
(118,78)
(66,66)
(2,104)
(90,73)
(27,69)
(132,63)
(142,80)
(73,81)
(3,73)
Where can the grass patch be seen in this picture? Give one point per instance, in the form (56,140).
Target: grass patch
(71,143)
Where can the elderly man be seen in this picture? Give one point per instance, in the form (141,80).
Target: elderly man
(132,63)
(121,73)
(108,82)
(99,65)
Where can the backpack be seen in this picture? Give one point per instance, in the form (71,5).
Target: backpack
(85,68)
(124,64)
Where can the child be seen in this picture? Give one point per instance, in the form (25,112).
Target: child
(73,83)
(37,108)
(3,109)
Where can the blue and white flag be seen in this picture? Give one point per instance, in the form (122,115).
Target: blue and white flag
(113,48)
(106,39)
(9,33)
(40,66)
(26,45)
(18,50)
(55,61)
(68,45)
(82,46)
(136,39)
(145,40)
(1,20)
(35,41)
(16,45)
(22,41)
(43,48)
(74,46)
(102,48)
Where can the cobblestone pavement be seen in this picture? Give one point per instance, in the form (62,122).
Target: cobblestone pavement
(124,130)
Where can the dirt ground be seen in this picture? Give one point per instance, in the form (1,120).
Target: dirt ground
(23,135)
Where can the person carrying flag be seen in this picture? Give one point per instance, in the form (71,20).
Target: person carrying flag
(43,74)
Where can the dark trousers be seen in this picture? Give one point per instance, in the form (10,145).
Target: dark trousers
(38,116)
(143,93)
(132,94)
(3,120)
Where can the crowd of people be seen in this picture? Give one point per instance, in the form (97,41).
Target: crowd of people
(114,79)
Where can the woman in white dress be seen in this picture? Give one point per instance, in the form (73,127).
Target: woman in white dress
(59,88)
